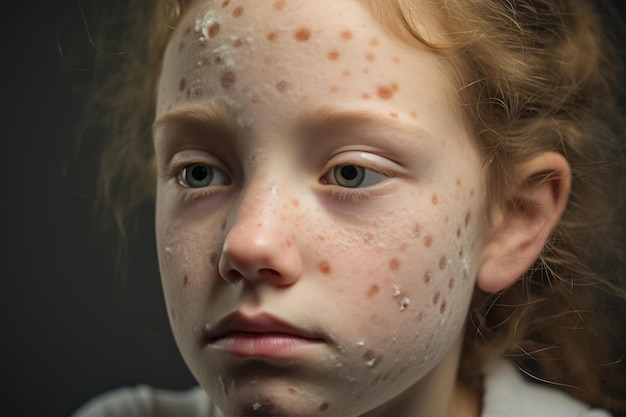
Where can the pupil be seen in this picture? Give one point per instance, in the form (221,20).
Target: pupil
(199,172)
(349,172)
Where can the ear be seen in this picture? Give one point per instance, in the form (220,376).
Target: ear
(522,227)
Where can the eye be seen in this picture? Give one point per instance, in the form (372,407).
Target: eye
(202,175)
(355,176)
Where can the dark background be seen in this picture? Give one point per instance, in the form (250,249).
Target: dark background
(68,329)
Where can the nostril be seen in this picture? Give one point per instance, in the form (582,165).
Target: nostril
(234,276)
(269,273)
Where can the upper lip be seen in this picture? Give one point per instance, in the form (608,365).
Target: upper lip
(261,323)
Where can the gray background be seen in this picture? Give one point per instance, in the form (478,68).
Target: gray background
(67,330)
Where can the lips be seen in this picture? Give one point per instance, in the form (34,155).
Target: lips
(260,336)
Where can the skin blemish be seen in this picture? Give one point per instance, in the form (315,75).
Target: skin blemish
(365,96)
(280,4)
(404,303)
(181,46)
(467,219)
(321,238)
(386,92)
(271,36)
(346,73)
(394,264)
(420,316)
(214,29)
(458,181)
(365,71)
(372,291)
(414,114)
(374,42)
(225,3)
(428,241)
(458,233)
(323,407)
(238,11)
(436,297)
(295,203)
(368,238)
(333,55)
(283,86)
(472,193)
(442,263)
(223,226)
(302,35)
(428,277)
(451,284)
(238,43)
(396,60)
(370,57)
(228,80)
(442,308)
(182,84)
(417,230)
(333,89)
(346,35)
(434,199)
(371,359)
(324,267)
(214,259)
(185,281)
(394,115)
(218,59)
(292,390)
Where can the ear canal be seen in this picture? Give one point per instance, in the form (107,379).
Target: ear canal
(531,212)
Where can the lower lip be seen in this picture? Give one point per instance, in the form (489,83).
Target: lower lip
(264,345)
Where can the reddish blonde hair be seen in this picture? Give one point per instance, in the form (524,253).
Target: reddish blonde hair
(533,76)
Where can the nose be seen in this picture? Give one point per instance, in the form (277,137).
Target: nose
(260,245)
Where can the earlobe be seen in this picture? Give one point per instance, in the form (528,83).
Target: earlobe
(524,224)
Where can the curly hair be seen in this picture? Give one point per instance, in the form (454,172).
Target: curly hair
(533,76)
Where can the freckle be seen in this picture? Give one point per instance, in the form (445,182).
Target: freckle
(467,219)
(223,226)
(442,263)
(394,115)
(370,57)
(214,29)
(302,35)
(214,259)
(225,3)
(372,291)
(368,237)
(295,203)
(182,84)
(218,59)
(403,247)
(185,280)
(396,60)
(386,92)
(238,11)
(324,267)
(365,96)
(271,36)
(447,220)
(283,86)
(458,181)
(346,35)
(458,233)
(333,55)
(394,264)
(292,390)
(417,230)
(442,309)
(228,80)
(347,73)
(280,4)
(321,238)
(333,89)
(472,193)
(420,316)
(461,253)
(374,42)
(323,406)
(436,297)
(414,114)
(428,241)
(451,284)
(434,199)
(365,71)
(238,43)
(428,277)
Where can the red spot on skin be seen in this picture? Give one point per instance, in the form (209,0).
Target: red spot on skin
(283,86)
(185,281)
(365,96)
(434,199)
(467,219)
(346,35)
(333,55)
(214,259)
(295,203)
(442,263)
(451,283)
(436,298)
(324,267)
(428,277)
(347,73)
(394,264)
(428,241)
(374,42)
(372,291)
(280,4)
(238,43)
(302,35)
(323,406)
(182,84)
(442,309)
(214,29)
(228,80)
(386,92)
(370,57)
(271,36)
(394,115)
(238,11)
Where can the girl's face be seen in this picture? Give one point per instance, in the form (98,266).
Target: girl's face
(319,208)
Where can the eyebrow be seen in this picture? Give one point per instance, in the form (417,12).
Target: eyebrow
(212,113)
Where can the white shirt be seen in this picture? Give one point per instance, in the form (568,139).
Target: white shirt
(507,394)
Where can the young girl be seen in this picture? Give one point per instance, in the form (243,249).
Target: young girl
(380,208)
